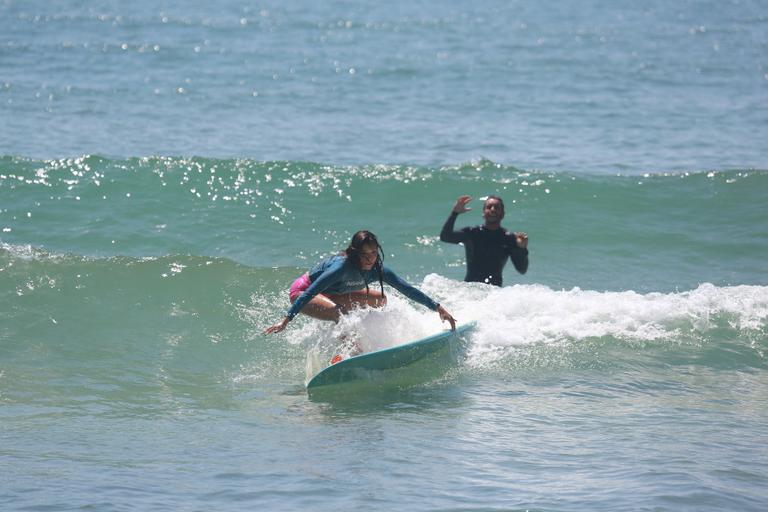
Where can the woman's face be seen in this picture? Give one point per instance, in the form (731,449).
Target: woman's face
(368,254)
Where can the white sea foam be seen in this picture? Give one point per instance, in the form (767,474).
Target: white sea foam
(522,315)
(20,251)
(528,314)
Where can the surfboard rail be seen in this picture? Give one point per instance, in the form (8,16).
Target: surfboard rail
(373,364)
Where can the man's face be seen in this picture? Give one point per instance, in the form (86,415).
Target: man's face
(493,211)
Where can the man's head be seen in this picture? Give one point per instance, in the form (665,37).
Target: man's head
(493,211)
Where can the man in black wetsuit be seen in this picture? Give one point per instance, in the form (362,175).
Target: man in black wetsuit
(487,246)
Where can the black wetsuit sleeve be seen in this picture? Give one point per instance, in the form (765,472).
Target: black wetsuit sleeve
(519,256)
(448,234)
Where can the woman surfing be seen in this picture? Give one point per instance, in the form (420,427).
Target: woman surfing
(341,283)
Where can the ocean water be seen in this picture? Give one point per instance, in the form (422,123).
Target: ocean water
(167,170)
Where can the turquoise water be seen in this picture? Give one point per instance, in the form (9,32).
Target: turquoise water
(167,170)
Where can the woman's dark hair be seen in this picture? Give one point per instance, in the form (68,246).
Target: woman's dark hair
(352,252)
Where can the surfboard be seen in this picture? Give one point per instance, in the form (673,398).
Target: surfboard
(375,366)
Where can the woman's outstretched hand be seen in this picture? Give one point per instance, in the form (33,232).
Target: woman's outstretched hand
(445,316)
(279,326)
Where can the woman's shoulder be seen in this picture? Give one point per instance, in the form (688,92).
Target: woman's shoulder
(387,271)
(331,263)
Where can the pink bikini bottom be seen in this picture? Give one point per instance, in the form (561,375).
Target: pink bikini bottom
(298,287)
